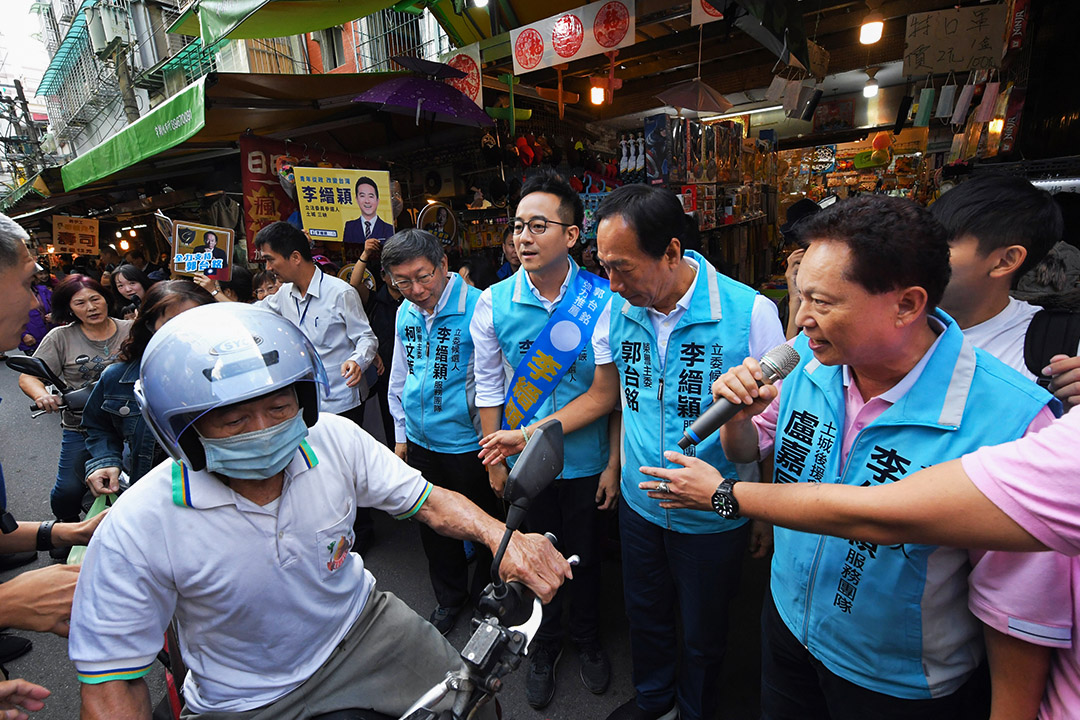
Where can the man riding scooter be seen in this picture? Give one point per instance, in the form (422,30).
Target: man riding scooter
(244,537)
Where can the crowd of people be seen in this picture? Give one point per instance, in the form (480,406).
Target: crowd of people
(234,411)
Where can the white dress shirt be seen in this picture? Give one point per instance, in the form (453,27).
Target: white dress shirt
(331,317)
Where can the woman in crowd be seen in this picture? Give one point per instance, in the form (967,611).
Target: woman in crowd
(238,288)
(112,420)
(265,283)
(78,351)
(39,323)
(131,283)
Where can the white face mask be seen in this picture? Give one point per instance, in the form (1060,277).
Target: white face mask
(255,455)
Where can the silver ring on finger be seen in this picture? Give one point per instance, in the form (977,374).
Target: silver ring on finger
(662,487)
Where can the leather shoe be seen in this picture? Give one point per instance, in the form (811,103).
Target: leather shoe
(10,561)
(12,647)
(629,710)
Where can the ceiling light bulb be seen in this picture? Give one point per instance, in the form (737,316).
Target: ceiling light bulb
(133,233)
(124,245)
(870,88)
(596,96)
(480,3)
(872,27)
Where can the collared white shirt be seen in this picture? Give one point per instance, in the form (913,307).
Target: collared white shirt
(399,369)
(263,595)
(488,361)
(331,317)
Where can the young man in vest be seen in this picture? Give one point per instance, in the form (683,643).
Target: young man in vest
(999,227)
(674,326)
(431,375)
(886,385)
(531,334)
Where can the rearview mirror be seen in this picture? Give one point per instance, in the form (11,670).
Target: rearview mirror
(538,465)
(36,367)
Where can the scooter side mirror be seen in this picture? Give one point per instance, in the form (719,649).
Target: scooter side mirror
(539,464)
(36,367)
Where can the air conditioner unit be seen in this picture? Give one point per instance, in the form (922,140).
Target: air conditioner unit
(439,182)
(108,27)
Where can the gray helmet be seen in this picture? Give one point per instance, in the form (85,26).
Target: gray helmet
(218,355)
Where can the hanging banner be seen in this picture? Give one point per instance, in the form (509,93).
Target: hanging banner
(75,235)
(467,60)
(957,40)
(701,12)
(201,248)
(596,28)
(345,206)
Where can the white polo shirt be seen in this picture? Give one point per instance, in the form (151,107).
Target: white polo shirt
(262,594)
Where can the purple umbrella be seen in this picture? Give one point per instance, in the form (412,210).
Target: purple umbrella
(408,95)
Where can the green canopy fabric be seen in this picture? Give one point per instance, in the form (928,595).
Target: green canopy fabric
(65,55)
(233,19)
(169,124)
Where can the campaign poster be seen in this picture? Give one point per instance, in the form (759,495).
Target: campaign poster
(202,248)
(75,235)
(345,206)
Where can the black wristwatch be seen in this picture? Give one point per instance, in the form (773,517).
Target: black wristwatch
(724,502)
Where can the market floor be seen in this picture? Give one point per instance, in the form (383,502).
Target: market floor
(29,450)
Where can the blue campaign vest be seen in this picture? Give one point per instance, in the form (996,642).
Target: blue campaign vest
(518,317)
(894,620)
(438,394)
(657,405)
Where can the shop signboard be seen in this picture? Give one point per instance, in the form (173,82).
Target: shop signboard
(75,235)
(345,206)
(582,32)
(467,60)
(266,200)
(955,40)
(201,248)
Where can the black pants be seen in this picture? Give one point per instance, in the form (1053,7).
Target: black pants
(567,509)
(797,686)
(449,570)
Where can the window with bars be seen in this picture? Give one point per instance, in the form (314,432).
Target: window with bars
(332,43)
(387,33)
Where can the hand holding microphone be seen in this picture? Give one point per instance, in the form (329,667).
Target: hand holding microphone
(742,392)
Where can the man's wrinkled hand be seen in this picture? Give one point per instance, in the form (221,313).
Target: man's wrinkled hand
(690,486)
(104,481)
(534,561)
(18,697)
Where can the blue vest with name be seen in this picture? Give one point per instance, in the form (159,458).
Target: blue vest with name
(659,402)
(438,394)
(519,317)
(894,619)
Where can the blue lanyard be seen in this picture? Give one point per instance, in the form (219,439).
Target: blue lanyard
(307,302)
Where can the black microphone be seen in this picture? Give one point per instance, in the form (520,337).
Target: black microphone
(775,364)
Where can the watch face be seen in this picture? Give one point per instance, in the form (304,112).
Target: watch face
(724,504)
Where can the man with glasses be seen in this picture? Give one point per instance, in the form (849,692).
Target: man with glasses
(431,374)
(532,334)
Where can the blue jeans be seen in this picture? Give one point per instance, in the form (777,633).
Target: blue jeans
(668,574)
(67,494)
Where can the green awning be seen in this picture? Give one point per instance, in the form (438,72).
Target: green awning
(34,185)
(214,20)
(166,126)
(73,43)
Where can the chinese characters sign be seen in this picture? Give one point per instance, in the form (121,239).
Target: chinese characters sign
(202,248)
(344,205)
(593,29)
(467,60)
(957,40)
(78,236)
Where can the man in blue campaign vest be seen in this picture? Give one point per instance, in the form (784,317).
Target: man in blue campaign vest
(431,375)
(532,333)
(887,384)
(673,327)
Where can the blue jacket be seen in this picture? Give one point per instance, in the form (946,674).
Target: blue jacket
(657,405)
(518,317)
(112,420)
(439,395)
(894,620)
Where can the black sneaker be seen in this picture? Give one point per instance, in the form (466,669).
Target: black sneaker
(10,561)
(629,710)
(595,667)
(540,683)
(444,618)
(12,647)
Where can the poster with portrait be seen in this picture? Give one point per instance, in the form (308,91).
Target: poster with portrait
(202,248)
(438,219)
(75,235)
(345,206)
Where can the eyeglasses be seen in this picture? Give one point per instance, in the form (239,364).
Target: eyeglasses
(537,226)
(424,280)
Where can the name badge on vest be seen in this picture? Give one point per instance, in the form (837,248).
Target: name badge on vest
(551,354)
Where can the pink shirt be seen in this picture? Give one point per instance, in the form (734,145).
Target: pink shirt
(1036,482)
